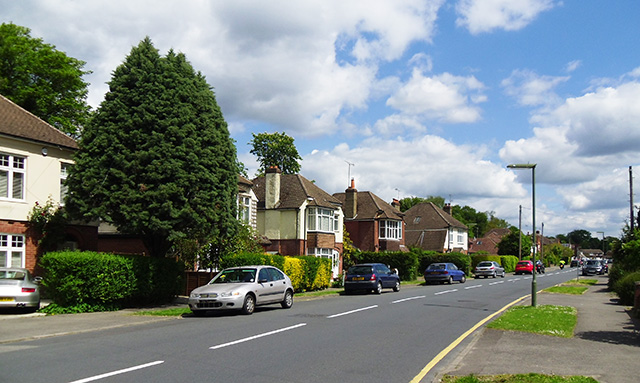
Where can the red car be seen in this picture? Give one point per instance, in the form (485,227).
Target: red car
(524,267)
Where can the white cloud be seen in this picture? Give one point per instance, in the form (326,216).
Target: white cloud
(444,97)
(480,16)
(531,89)
(573,65)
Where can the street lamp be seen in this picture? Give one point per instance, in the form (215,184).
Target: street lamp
(604,253)
(534,284)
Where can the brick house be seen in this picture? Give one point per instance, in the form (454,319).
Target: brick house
(372,223)
(34,158)
(432,228)
(298,218)
(489,242)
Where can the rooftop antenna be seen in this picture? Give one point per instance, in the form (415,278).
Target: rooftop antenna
(349,173)
(398,190)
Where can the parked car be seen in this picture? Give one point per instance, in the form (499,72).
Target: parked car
(444,272)
(488,269)
(370,277)
(243,288)
(592,267)
(19,289)
(524,267)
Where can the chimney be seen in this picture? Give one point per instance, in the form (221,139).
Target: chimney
(272,187)
(351,201)
(447,208)
(395,203)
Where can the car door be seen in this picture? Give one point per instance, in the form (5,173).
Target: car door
(384,274)
(279,284)
(265,287)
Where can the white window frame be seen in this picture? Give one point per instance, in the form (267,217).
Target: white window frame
(64,173)
(321,252)
(244,209)
(12,166)
(390,230)
(321,219)
(12,246)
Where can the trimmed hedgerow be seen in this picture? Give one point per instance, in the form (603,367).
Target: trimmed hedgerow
(89,281)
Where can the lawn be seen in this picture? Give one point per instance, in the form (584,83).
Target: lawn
(543,319)
(518,378)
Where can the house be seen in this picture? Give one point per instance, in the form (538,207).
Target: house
(247,202)
(431,228)
(298,218)
(34,158)
(372,223)
(489,242)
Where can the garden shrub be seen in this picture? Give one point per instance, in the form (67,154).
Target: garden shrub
(509,263)
(89,281)
(626,289)
(462,261)
(405,262)
(477,258)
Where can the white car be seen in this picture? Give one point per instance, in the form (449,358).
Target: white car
(18,289)
(243,288)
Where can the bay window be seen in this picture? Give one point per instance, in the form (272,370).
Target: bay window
(321,219)
(390,229)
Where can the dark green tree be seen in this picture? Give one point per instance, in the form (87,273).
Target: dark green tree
(43,80)
(510,243)
(580,238)
(157,160)
(275,149)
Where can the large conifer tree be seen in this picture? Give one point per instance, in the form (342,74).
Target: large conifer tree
(157,160)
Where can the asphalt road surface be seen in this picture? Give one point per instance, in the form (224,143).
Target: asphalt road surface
(356,338)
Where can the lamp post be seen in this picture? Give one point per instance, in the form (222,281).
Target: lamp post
(534,283)
(604,253)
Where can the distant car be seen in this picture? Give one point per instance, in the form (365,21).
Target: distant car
(574,263)
(18,289)
(524,267)
(488,269)
(592,267)
(444,272)
(370,277)
(243,288)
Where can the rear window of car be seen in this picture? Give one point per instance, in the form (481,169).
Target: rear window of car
(523,263)
(485,264)
(438,266)
(359,270)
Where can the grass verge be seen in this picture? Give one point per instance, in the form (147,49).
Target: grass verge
(518,378)
(173,312)
(563,289)
(544,319)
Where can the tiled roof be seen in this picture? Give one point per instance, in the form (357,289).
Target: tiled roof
(294,191)
(19,123)
(428,216)
(370,206)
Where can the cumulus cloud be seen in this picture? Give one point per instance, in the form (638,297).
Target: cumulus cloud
(443,97)
(531,89)
(480,16)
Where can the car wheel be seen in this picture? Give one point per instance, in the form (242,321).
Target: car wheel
(450,281)
(288,300)
(517,273)
(249,305)
(378,289)
(476,276)
(502,274)
(199,313)
(396,288)
(495,274)
(463,279)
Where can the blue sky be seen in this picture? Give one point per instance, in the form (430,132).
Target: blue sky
(429,97)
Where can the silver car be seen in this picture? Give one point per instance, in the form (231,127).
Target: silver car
(489,269)
(243,288)
(18,289)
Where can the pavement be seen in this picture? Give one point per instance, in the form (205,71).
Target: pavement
(605,345)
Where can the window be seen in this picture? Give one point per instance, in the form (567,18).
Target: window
(320,219)
(390,229)
(325,253)
(244,209)
(11,250)
(64,172)
(12,174)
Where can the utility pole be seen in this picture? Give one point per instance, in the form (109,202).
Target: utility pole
(520,234)
(631,215)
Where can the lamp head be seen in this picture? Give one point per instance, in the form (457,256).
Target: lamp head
(521,166)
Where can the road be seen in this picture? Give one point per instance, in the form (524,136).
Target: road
(357,338)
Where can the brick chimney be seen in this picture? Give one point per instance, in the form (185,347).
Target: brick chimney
(395,203)
(272,187)
(351,201)
(447,208)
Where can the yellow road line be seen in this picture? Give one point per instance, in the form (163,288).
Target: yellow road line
(455,343)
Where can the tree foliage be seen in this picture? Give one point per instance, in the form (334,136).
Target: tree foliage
(157,160)
(43,80)
(275,149)
(511,242)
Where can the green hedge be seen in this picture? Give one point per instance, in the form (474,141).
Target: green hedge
(405,262)
(626,289)
(316,271)
(425,258)
(509,263)
(89,281)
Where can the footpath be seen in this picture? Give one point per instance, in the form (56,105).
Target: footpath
(605,345)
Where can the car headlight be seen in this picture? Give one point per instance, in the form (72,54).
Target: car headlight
(229,294)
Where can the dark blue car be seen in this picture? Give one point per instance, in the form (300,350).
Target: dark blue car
(370,277)
(444,272)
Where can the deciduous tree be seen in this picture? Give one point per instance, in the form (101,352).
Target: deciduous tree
(275,149)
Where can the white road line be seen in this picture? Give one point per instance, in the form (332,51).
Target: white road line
(408,299)
(108,374)
(352,311)
(495,283)
(472,287)
(446,291)
(256,336)
(514,279)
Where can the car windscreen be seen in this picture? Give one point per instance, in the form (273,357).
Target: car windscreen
(235,276)
(593,263)
(359,270)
